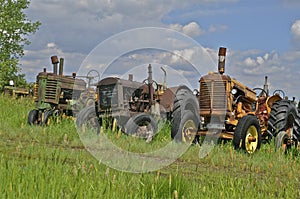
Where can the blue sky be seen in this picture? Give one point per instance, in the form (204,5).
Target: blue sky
(262,37)
(252,24)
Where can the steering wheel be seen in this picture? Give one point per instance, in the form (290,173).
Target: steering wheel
(278,91)
(153,82)
(263,93)
(93,77)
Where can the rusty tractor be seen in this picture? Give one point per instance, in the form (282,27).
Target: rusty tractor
(229,110)
(57,95)
(135,107)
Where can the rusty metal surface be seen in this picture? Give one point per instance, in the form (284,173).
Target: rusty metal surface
(167,99)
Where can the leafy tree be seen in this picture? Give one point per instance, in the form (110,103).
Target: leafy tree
(14,27)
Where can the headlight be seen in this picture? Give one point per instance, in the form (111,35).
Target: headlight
(234,91)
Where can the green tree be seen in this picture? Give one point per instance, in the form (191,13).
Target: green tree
(14,29)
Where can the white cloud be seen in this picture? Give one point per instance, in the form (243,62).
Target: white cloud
(295,29)
(191,29)
(51,45)
(261,64)
(260,60)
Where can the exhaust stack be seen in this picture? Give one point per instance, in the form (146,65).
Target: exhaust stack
(165,78)
(222,55)
(266,87)
(150,82)
(61,66)
(54,61)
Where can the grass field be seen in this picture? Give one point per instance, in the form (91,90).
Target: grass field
(51,162)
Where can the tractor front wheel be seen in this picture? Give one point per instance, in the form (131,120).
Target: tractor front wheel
(47,114)
(141,125)
(247,135)
(33,117)
(184,128)
(284,142)
(88,120)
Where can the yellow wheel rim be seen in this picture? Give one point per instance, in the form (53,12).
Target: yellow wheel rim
(187,131)
(251,139)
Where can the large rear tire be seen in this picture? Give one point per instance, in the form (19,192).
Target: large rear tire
(186,108)
(283,116)
(247,135)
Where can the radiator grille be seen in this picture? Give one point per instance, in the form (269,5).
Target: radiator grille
(51,88)
(213,95)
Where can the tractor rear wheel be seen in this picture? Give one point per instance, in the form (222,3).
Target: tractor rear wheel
(184,128)
(33,117)
(141,125)
(247,135)
(283,115)
(186,108)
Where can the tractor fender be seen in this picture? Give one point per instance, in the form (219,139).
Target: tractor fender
(167,100)
(271,100)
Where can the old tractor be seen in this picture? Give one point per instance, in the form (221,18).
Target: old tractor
(57,95)
(229,110)
(135,107)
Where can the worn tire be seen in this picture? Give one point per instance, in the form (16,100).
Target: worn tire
(88,118)
(182,125)
(285,144)
(32,117)
(185,105)
(246,127)
(141,125)
(47,115)
(283,116)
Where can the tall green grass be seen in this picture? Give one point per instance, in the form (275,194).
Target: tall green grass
(51,162)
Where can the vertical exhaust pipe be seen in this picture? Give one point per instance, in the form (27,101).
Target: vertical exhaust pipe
(222,55)
(165,78)
(54,61)
(266,87)
(61,66)
(150,82)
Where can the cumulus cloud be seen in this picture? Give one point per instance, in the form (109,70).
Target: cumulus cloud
(261,64)
(295,29)
(191,29)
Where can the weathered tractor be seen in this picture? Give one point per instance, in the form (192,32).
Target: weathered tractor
(56,94)
(230,110)
(136,107)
